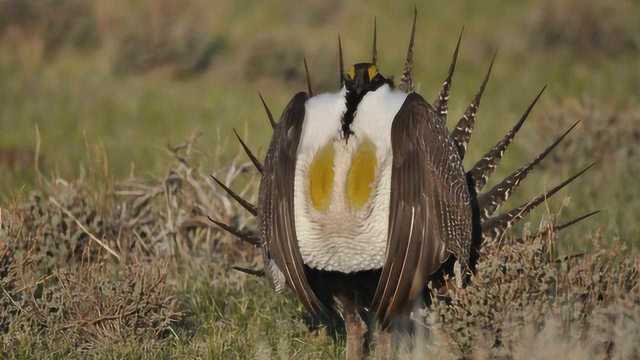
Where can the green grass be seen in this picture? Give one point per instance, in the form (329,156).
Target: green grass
(102,117)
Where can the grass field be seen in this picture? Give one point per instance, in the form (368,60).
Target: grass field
(97,97)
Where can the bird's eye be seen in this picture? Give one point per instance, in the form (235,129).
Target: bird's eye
(373,71)
(351,74)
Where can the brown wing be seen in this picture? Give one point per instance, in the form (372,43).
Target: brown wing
(429,213)
(275,211)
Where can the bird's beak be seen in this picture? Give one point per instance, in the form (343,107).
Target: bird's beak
(359,85)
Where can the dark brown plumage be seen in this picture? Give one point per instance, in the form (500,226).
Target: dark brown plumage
(430,216)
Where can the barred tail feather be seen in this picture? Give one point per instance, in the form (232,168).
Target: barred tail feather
(496,226)
(441,104)
(461,134)
(406,81)
(489,202)
(485,166)
(557,228)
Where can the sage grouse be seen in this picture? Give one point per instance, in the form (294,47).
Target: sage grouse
(363,197)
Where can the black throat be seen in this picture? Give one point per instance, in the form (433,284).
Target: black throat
(359,80)
(353,100)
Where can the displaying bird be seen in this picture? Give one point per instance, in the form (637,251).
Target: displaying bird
(364,199)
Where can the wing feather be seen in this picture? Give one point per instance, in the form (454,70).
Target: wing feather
(276,210)
(429,213)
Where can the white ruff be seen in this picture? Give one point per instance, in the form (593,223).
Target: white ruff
(341,238)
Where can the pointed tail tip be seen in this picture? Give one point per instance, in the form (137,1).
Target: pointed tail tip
(452,66)
(258,273)
(306,70)
(577,220)
(219,224)
(267,110)
(406,82)
(495,55)
(459,39)
(569,180)
(254,160)
(340,63)
(239,199)
(530,107)
(415,17)
(487,76)
(250,238)
(493,60)
(374,55)
(588,167)
(544,88)
(575,123)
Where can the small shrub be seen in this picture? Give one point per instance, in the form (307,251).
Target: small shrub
(524,296)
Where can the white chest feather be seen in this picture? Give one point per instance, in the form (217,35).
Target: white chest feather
(342,188)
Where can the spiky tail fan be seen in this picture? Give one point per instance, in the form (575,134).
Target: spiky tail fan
(488,228)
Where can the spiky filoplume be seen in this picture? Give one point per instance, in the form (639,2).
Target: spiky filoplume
(340,64)
(268,111)
(492,199)
(252,157)
(283,263)
(481,171)
(441,104)
(406,81)
(244,203)
(249,236)
(308,77)
(494,227)
(461,134)
(374,50)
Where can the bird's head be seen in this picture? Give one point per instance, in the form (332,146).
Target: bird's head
(362,78)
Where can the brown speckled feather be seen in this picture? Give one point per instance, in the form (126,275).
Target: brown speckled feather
(429,214)
(484,167)
(494,227)
(489,202)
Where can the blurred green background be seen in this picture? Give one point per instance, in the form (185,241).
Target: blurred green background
(114,82)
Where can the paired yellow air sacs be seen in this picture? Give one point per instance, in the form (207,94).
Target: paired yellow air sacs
(360,176)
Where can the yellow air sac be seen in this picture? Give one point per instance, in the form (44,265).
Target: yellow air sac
(321,177)
(361,174)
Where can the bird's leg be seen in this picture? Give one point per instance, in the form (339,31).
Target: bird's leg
(356,330)
(383,344)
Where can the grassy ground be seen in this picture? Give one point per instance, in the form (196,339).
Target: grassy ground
(100,89)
